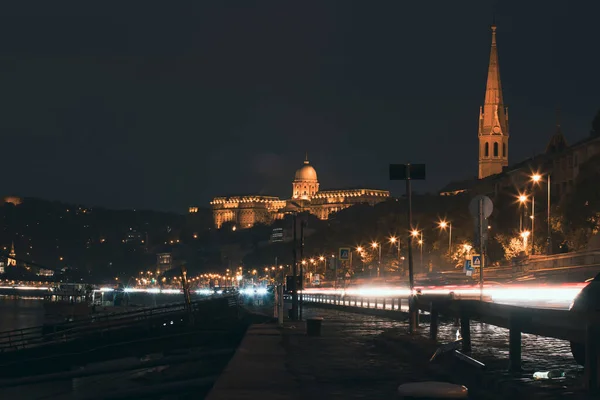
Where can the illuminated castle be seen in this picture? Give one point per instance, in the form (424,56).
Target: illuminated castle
(245,211)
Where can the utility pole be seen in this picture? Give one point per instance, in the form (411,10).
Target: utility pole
(532,223)
(481,247)
(301,267)
(295,274)
(409,172)
(549,238)
(412,312)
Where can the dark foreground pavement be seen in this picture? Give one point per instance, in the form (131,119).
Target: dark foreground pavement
(358,357)
(346,361)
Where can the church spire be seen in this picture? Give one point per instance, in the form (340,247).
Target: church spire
(493,120)
(493,88)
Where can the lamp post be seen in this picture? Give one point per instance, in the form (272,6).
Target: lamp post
(321,258)
(443,225)
(525,236)
(359,250)
(376,245)
(537,178)
(415,233)
(394,240)
(523,202)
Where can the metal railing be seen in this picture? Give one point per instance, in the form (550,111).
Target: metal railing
(62,332)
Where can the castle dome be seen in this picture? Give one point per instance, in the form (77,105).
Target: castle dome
(306,174)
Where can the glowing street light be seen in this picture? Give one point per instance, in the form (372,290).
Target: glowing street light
(376,245)
(537,179)
(394,240)
(522,198)
(415,233)
(525,235)
(443,225)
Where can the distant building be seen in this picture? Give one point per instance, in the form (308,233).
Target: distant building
(277,235)
(12,200)
(2,267)
(246,211)
(133,237)
(164,262)
(11,260)
(45,272)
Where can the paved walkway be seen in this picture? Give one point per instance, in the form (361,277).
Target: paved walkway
(345,362)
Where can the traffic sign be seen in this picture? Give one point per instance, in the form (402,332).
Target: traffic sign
(402,172)
(348,275)
(485,203)
(476,260)
(344,253)
(468,265)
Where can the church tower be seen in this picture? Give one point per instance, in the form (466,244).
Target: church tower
(493,121)
(11,261)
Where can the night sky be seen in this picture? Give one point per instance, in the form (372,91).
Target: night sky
(165,105)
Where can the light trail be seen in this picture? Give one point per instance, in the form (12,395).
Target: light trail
(542,296)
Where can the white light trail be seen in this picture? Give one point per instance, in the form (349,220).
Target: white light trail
(560,295)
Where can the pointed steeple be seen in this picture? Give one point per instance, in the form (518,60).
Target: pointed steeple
(493,88)
(12,249)
(306,158)
(493,120)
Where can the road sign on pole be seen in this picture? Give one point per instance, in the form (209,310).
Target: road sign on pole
(481,208)
(476,261)
(344,253)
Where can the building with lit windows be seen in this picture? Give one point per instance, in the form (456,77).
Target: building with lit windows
(246,211)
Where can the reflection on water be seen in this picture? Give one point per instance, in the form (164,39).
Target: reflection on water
(18,313)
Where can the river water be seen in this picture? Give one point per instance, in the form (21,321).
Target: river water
(24,312)
(18,313)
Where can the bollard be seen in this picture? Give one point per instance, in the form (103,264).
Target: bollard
(384,303)
(514,344)
(313,326)
(433,326)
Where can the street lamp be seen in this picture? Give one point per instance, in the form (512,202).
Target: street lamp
(394,240)
(525,235)
(376,245)
(523,202)
(443,225)
(415,233)
(537,178)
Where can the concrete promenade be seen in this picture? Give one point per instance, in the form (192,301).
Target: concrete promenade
(359,356)
(344,362)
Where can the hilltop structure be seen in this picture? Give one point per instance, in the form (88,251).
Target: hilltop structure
(247,210)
